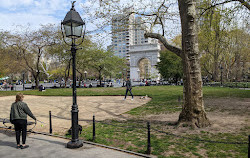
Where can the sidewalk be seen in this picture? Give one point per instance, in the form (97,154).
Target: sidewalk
(42,146)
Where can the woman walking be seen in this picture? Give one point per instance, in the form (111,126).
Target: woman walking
(18,116)
(128,88)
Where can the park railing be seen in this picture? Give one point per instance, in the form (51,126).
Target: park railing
(228,84)
(147,128)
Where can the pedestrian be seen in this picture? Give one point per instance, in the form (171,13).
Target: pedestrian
(18,117)
(41,88)
(90,85)
(128,88)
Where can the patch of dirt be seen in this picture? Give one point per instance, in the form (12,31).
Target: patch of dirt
(234,106)
(227,115)
(103,107)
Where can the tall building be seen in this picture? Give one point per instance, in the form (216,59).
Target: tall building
(128,40)
(127,30)
(122,33)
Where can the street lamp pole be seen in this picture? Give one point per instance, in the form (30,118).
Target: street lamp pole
(85,73)
(221,68)
(23,82)
(73,25)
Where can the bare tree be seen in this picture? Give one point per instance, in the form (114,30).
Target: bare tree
(31,47)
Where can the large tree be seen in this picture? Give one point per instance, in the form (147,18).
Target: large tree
(9,63)
(212,37)
(218,41)
(104,62)
(193,109)
(156,14)
(30,46)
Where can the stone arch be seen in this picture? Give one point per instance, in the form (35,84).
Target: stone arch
(144,68)
(149,55)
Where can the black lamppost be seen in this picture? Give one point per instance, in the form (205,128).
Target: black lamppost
(85,74)
(23,81)
(221,68)
(72,27)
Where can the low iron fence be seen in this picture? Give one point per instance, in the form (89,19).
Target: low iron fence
(228,84)
(148,130)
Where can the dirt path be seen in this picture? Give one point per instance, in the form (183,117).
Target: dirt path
(103,107)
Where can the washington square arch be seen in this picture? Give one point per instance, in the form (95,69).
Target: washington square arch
(143,61)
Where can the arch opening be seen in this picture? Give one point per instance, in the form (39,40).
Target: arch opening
(144,68)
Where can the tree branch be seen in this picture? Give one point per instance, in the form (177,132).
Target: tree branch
(243,2)
(163,40)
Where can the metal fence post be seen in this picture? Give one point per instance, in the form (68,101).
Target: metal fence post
(93,127)
(149,142)
(50,123)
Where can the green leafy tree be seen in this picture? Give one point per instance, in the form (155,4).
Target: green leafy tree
(170,66)
(104,62)
(30,46)
(218,41)
(10,63)
(236,57)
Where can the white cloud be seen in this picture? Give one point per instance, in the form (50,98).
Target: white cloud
(23,19)
(14,3)
(33,12)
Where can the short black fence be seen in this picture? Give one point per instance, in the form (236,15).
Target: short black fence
(148,129)
(243,85)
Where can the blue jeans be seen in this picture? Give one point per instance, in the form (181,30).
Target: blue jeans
(129,92)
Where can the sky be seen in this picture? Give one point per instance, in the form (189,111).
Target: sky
(15,15)
(33,12)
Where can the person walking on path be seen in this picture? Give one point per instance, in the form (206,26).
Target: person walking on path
(128,88)
(18,117)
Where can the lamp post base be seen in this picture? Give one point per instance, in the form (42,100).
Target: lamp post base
(75,144)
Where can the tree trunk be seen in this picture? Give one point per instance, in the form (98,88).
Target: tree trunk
(238,68)
(100,78)
(81,78)
(36,80)
(193,112)
(216,68)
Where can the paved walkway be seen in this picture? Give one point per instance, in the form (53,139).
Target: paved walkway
(50,147)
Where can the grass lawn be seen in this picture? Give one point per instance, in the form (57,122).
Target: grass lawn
(132,133)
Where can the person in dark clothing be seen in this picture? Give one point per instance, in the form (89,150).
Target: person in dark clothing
(18,116)
(41,88)
(128,88)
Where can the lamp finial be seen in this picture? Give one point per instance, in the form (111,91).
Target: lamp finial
(73,4)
